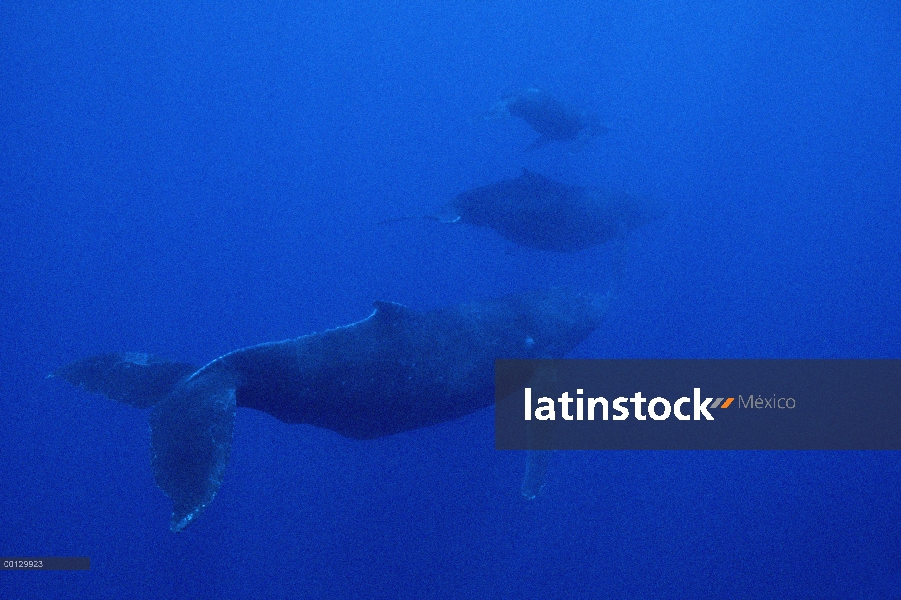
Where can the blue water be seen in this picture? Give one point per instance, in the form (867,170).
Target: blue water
(189,177)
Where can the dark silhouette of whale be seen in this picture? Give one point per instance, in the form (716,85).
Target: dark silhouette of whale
(396,370)
(548,116)
(538,212)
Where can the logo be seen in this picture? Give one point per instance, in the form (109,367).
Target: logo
(658,408)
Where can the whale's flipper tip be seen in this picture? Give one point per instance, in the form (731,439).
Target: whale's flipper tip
(536,470)
(447,214)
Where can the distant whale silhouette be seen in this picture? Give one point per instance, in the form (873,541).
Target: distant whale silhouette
(538,212)
(398,369)
(547,116)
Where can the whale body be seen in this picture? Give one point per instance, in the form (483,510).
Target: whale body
(396,370)
(550,118)
(538,212)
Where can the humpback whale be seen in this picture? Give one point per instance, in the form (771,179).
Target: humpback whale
(549,117)
(535,211)
(396,370)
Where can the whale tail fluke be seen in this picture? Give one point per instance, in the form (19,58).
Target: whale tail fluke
(191,437)
(191,422)
(133,378)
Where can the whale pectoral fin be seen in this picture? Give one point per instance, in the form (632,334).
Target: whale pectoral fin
(544,377)
(191,437)
(446,214)
(134,378)
(536,469)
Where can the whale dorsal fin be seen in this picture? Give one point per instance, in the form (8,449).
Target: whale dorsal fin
(532,175)
(388,312)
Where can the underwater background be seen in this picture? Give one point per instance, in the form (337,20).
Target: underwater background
(187,178)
